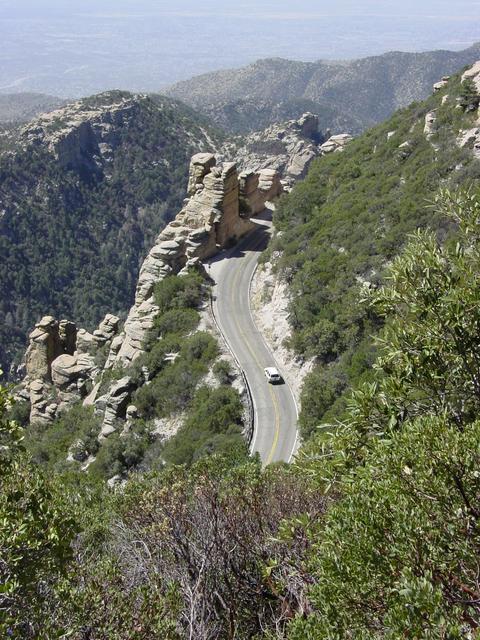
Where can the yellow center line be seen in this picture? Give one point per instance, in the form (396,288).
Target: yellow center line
(255,358)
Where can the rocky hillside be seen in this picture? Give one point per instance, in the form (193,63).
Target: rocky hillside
(83,192)
(22,107)
(348,96)
(341,227)
(145,377)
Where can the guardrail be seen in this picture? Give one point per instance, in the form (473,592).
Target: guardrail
(250,408)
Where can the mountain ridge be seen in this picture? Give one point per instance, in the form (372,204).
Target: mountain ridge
(251,97)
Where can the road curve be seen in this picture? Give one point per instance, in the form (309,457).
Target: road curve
(275,411)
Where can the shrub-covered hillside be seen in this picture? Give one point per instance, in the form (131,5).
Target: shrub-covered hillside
(341,227)
(83,192)
(186,406)
(371,534)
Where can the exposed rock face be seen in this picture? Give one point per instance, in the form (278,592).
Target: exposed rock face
(200,166)
(336,143)
(82,137)
(257,188)
(114,404)
(42,409)
(209,220)
(430,120)
(287,148)
(59,363)
(471,139)
(473,74)
(438,86)
(45,346)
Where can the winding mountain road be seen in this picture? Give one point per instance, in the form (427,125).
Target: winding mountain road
(275,435)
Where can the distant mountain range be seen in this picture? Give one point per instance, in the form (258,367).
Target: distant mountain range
(348,95)
(22,107)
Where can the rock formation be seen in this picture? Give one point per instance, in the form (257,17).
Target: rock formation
(258,187)
(45,345)
(336,143)
(209,220)
(473,74)
(114,405)
(287,149)
(201,164)
(59,363)
(438,86)
(82,135)
(430,120)
(471,137)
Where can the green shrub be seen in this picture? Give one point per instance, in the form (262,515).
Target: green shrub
(222,369)
(349,218)
(49,445)
(176,321)
(214,423)
(182,292)
(201,347)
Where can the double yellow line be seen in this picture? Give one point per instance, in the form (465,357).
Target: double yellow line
(255,358)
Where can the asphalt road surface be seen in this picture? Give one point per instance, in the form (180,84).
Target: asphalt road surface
(275,435)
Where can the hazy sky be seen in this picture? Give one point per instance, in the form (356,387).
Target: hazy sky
(70,47)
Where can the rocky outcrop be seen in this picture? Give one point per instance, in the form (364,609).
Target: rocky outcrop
(259,187)
(83,135)
(473,74)
(470,138)
(209,220)
(438,86)
(287,149)
(336,143)
(60,362)
(200,165)
(45,345)
(114,405)
(430,128)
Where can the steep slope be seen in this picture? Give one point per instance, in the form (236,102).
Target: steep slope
(83,192)
(21,107)
(351,216)
(350,95)
(147,376)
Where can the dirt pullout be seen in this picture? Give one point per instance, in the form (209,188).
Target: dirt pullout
(269,303)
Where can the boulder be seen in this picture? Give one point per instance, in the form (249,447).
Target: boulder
(200,165)
(438,86)
(86,342)
(67,370)
(308,125)
(107,329)
(42,412)
(116,402)
(470,138)
(336,143)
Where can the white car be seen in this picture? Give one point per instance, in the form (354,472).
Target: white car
(272,374)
